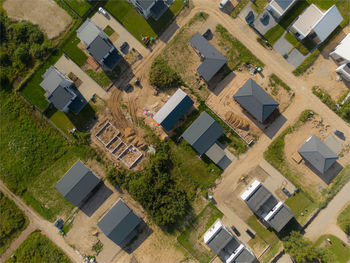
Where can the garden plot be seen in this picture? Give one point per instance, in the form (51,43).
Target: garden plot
(107,134)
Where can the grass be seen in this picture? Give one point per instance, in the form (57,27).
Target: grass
(271,252)
(62,121)
(276,81)
(259,6)
(71,49)
(306,63)
(108,30)
(38,248)
(301,206)
(304,46)
(241,5)
(191,236)
(79,6)
(343,220)
(340,251)
(100,77)
(267,235)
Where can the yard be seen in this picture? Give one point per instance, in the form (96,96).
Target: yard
(340,250)
(343,220)
(79,6)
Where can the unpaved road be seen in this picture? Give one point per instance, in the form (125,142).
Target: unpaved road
(37,222)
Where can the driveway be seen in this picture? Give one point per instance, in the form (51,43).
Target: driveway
(295,58)
(245,12)
(88,87)
(282,45)
(264,25)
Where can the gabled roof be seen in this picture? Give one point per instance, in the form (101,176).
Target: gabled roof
(88,31)
(173,110)
(329,21)
(280,218)
(61,97)
(213,59)
(203,132)
(261,201)
(145,4)
(52,79)
(77,184)
(317,154)
(343,49)
(255,100)
(220,240)
(119,222)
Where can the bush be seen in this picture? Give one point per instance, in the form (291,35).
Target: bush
(162,76)
(22,54)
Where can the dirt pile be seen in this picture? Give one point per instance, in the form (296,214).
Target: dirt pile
(236,121)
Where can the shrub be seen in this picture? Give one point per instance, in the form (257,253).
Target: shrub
(162,76)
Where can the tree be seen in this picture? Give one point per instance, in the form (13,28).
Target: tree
(162,76)
(300,248)
(36,36)
(4,80)
(22,54)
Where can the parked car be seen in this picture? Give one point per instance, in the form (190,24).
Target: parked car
(207,34)
(124,45)
(235,231)
(264,17)
(286,191)
(103,12)
(128,87)
(250,233)
(250,17)
(59,223)
(338,133)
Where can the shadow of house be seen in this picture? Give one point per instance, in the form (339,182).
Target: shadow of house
(137,237)
(223,78)
(98,196)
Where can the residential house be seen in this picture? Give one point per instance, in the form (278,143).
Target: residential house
(119,223)
(228,248)
(341,56)
(78,184)
(315,24)
(278,8)
(212,59)
(60,91)
(318,154)
(173,110)
(256,100)
(98,45)
(264,205)
(154,8)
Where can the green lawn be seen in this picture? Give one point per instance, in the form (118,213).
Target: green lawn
(301,206)
(71,49)
(100,77)
(38,248)
(62,121)
(343,220)
(241,5)
(340,251)
(191,237)
(108,30)
(259,6)
(267,235)
(304,46)
(79,6)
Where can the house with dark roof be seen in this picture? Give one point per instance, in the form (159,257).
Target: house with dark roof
(173,110)
(256,100)
(212,59)
(264,205)
(98,45)
(60,91)
(77,184)
(318,154)
(278,8)
(119,223)
(228,248)
(154,8)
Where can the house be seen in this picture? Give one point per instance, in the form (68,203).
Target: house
(212,59)
(315,24)
(119,223)
(255,100)
(318,154)
(278,8)
(78,184)
(98,45)
(264,205)
(154,8)
(341,56)
(60,92)
(173,110)
(228,248)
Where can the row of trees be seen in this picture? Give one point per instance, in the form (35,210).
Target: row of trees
(154,188)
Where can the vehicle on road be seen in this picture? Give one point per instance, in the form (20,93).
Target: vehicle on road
(59,223)
(235,231)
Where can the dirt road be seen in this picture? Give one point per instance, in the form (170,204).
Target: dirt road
(37,222)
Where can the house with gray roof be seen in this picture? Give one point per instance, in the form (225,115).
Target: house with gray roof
(60,91)
(278,8)
(98,45)
(78,184)
(212,59)
(318,154)
(119,223)
(228,248)
(256,100)
(264,205)
(154,8)
(173,109)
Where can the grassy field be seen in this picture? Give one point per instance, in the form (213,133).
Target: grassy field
(38,248)
(79,6)
(301,206)
(100,77)
(340,251)
(191,237)
(343,220)
(13,222)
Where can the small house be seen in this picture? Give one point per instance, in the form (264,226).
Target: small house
(341,56)
(278,8)
(154,8)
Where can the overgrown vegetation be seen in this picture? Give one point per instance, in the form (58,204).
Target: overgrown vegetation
(276,81)
(241,5)
(308,62)
(163,76)
(343,220)
(38,248)
(12,220)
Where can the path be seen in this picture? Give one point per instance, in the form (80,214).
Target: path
(37,222)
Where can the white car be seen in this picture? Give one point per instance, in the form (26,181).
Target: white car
(103,12)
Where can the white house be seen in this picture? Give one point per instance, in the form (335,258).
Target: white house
(341,56)
(315,24)
(279,7)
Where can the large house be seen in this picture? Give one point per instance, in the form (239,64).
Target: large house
(212,59)
(60,91)
(78,184)
(228,248)
(278,8)
(98,45)
(315,24)
(255,100)
(154,8)
(272,212)
(341,56)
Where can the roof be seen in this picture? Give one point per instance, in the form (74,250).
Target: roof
(213,59)
(203,132)
(173,110)
(215,153)
(317,154)
(99,47)
(145,4)
(220,240)
(245,256)
(77,183)
(53,78)
(119,222)
(88,31)
(261,201)
(330,21)
(307,20)
(343,49)
(61,97)
(255,100)
(281,217)
(281,6)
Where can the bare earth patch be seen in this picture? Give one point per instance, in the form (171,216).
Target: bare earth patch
(50,18)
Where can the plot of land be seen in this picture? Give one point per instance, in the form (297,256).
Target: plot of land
(51,18)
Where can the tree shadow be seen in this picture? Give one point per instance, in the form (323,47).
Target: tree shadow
(97,198)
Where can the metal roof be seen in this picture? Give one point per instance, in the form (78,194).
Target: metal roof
(220,240)
(328,23)
(173,110)
(52,79)
(280,218)
(203,132)
(119,222)
(88,31)
(215,153)
(77,183)
(145,4)
(255,100)
(61,97)
(213,59)
(281,6)
(261,201)
(317,154)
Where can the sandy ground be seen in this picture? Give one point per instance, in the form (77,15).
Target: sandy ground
(50,18)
